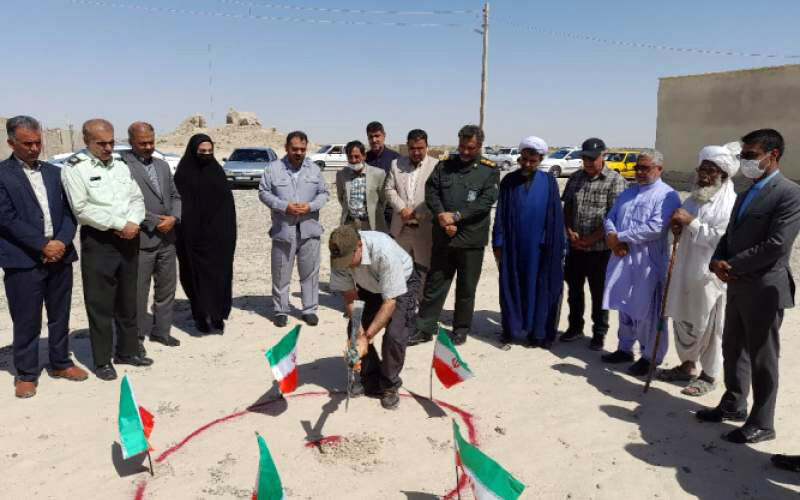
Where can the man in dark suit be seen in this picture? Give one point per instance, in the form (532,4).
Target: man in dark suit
(753,258)
(36,253)
(162,205)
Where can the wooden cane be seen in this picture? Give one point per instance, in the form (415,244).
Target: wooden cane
(661,319)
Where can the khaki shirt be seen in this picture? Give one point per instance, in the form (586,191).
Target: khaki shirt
(102,195)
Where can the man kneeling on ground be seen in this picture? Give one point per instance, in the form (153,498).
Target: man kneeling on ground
(370,266)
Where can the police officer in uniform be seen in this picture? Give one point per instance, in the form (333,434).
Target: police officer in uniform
(460,193)
(109,206)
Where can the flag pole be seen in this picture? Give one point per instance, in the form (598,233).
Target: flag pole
(455,466)
(150,460)
(431,381)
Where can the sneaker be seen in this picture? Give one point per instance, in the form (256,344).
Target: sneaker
(390,400)
(311,319)
(597,342)
(617,357)
(640,368)
(419,337)
(280,320)
(571,335)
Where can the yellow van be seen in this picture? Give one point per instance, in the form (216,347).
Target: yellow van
(623,162)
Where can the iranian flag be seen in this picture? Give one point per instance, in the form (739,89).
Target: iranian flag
(283,361)
(135,423)
(489,480)
(268,482)
(447,364)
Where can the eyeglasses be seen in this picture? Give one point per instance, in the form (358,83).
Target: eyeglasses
(643,168)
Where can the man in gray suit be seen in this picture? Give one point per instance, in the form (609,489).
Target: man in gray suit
(295,191)
(753,258)
(162,205)
(359,188)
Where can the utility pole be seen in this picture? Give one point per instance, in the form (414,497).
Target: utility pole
(484,69)
(210,86)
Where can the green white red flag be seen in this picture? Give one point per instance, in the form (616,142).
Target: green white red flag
(283,361)
(489,481)
(135,423)
(268,482)
(447,364)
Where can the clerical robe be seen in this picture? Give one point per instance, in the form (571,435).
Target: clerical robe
(529,232)
(635,283)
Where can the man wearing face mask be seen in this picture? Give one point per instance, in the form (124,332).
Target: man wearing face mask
(753,259)
(359,188)
(636,233)
(109,206)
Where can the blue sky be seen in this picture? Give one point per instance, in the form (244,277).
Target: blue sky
(72,60)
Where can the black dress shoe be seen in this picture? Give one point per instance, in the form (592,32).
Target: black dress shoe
(597,342)
(167,340)
(617,357)
(390,399)
(311,319)
(106,372)
(458,338)
(202,326)
(749,433)
(280,320)
(570,335)
(718,414)
(640,368)
(133,360)
(419,337)
(786,462)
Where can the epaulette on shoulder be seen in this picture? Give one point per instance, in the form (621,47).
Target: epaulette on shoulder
(73,160)
(488,163)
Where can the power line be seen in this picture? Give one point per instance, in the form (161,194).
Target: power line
(641,45)
(256,17)
(333,10)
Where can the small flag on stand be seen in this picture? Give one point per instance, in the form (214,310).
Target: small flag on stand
(135,423)
(489,480)
(447,364)
(268,482)
(283,361)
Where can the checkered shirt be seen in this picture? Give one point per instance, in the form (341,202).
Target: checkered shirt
(589,200)
(357,203)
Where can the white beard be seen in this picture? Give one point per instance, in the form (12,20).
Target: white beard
(705,194)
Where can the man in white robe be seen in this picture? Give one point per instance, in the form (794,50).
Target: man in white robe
(696,297)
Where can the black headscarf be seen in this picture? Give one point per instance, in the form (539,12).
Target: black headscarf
(207,233)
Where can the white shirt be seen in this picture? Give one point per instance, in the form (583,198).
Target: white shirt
(385,267)
(34,175)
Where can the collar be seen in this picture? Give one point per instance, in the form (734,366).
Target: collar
(290,166)
(98,160)
(365,257)
(643,188)
(142,160)
(763,182)
(601,175)
(37,165)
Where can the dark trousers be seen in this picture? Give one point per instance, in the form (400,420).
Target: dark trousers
(465,264)
(379,373)
(26,291)
(109,267)
(159,266)
(750,349)
(579,267)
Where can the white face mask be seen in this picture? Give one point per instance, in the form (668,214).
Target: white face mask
(751,168)
(358,167)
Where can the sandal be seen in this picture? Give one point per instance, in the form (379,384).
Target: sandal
(676,374)
(698,387)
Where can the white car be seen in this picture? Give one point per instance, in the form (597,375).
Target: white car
(330,156)
(506,158)
(171,159)
(563,162)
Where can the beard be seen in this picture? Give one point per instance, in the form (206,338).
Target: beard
(704,194)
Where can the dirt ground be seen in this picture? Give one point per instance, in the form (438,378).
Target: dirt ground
(565,424)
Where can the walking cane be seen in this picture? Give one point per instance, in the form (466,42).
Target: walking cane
(662,321)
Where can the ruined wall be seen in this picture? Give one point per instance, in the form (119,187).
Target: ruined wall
(55,141)
(716,108)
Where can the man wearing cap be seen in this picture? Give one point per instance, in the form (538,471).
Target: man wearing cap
(370,266)
(529,243)
(636,232)
(589,195)
(460,193)
(696,297)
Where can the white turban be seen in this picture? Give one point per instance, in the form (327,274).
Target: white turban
(725,157)
(535,143)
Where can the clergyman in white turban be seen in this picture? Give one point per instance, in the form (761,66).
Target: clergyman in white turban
(696,299)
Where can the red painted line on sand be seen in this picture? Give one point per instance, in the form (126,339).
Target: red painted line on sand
(466,417)
(326,440)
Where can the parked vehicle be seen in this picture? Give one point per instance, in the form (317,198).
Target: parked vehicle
(330,156)
(623,162)
(506,158)
(563,162)
(246,165)
(172,159)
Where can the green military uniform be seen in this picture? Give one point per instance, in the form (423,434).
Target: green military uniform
(104,198)
(469,190)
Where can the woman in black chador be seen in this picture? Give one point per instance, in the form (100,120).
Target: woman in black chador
(206,234)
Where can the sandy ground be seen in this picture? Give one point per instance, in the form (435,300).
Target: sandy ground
(565,424)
